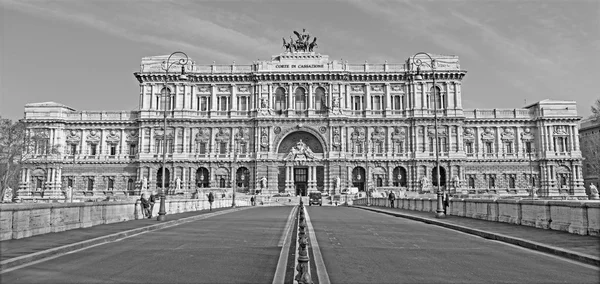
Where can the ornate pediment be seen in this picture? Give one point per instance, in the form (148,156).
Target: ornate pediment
(242,134)
(113,137)
(378,135)
(527,135)
(300,152)
(560,130)
(222,135)
(203,135)
(441,132)
(358,135)
(93,137)
(132,136)
(73,137)
(507,135)
(488,135)
(468,134)
(399,134)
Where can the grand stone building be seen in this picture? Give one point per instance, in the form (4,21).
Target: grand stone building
(301,122)
(590,149)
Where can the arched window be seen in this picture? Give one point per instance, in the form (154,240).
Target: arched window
(130,184)
(379,181)
(491,182)
(90,184)
(320,99)
(471,182)
(159,175)
(111,184)
(166,100)
(511,182)
(280,100)
(222,183)
(202,177)
(300,97)
(436,97)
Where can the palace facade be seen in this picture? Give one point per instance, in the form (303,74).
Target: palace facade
(301,122)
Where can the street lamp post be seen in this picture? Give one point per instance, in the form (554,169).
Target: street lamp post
(418,62)
(533,191)
(367,170)
(168,64)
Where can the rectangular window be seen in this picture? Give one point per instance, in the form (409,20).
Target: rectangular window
(113,150)
(509,147)
(528,147)
(202,148)
(90,185)
(93,148)
(223,148)
(359,148)
(111,184)
(397,102)
(131,149)
(203,104)
(70,182)
(73,149)
(356,105)
(401,147)
(489,147)
(376,101)
(469,147)
(244,103)
(223,104)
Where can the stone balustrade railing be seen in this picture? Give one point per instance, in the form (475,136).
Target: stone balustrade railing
(24,220)
(576,216)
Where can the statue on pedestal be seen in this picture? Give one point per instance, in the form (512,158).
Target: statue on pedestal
(144,183)
(69,194)
(455,182)
(263,182)
(178,183)
(8,195)
(593,192)
(424,183)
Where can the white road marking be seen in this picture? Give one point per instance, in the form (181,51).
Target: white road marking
(285,244)
(319,263)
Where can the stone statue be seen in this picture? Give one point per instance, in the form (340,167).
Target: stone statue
(69,194)
(8,195)
(336,185)
(456,182)
(263,182)
(424,182)
(178,183)
(593,192)
(144,183)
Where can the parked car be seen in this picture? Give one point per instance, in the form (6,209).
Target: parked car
(283,194)
(315,198)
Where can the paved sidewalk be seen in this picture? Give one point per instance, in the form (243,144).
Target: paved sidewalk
(581,248)
(21,251)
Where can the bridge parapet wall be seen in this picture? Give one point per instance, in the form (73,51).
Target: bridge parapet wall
(24,220)
(576,217)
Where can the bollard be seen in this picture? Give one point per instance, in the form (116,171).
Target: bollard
(303,276)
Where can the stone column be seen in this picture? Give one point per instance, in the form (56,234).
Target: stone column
(213,98)
(367,95)
(234,102)
(289,97)
(347,96)
(310,99)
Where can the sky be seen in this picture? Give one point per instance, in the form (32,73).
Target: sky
(83,53)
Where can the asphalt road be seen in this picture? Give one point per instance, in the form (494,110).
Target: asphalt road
(357,246)
(360,246)
(238,247)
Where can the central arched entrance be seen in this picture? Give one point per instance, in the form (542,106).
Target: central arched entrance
(301,172)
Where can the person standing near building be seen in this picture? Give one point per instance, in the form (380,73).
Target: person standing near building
(145,206)
(152,201)
(392,197)
(445,200)
(211,199)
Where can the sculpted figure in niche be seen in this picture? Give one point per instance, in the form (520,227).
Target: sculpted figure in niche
(593,192)
(336,185)
(178,183)
(456,182)
(263,182)
(8,195)
(424,182)
(144,183)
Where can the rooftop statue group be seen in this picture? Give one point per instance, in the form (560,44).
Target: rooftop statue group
(301,44)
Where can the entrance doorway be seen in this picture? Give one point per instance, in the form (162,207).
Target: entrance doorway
(301,181)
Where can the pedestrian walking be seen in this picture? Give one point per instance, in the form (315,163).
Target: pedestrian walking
(252,200)
(392,197)
(445,200)
(211,199)
(145,206)
(152,201)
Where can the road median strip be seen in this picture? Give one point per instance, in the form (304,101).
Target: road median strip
(581,257)
(28,258)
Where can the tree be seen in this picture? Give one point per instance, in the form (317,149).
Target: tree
(596,109)
(18,146)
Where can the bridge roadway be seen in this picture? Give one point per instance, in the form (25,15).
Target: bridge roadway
(357,246)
